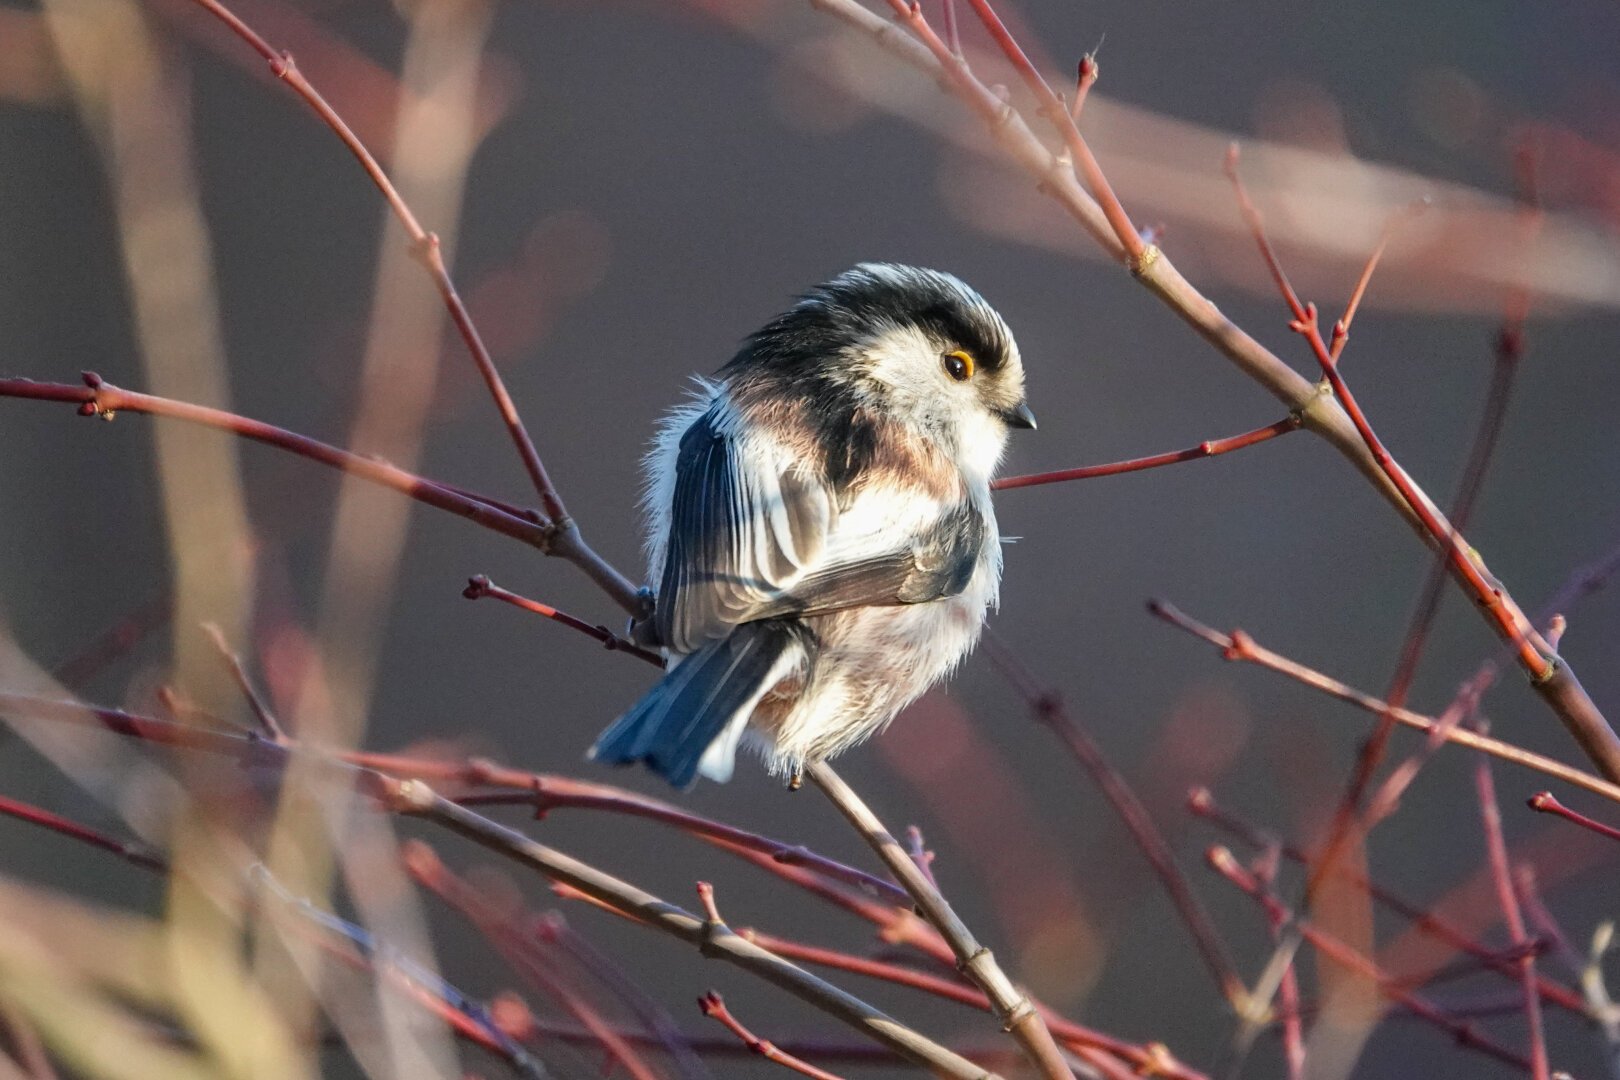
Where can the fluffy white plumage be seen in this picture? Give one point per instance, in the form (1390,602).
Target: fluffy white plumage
(820,524)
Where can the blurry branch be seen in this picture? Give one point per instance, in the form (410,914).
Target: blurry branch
(1596,989)
(1100,214)
(1207,448)
(561,531)
(714,1007)
(1293,1027)
(717,942)
(1239,646)
(415,798)
(522,953)
(1202,803)
(269,726)
(1048,709)
(1465,1034)
(603,970)
(113,642)
(1507,897)
(339,938)
(1013,1008)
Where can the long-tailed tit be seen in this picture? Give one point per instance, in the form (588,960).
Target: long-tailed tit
(820,526)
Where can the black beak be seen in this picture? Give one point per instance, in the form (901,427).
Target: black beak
(1019,417)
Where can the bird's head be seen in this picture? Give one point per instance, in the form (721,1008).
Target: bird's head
(918,347)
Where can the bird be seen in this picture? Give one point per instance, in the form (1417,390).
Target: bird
(820,527)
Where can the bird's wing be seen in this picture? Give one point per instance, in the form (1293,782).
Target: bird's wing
(751,538)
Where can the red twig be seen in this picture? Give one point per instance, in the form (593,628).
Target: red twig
(1207,448)
(1239,646)
(1507,897)
(1462,1032)
(1341,329)
(1508,354)
(480,586)
(417,798)
(1546,803)
(1052,108)
(1087,75)
(1561,691)
(134,853)
(562,533)
(544,792)
(1047,707)
(97,397)
(714,1007)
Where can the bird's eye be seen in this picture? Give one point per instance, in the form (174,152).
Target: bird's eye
(958,365)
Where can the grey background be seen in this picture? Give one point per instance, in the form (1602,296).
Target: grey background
(661,133)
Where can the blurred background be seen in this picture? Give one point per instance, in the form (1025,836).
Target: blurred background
(628,188)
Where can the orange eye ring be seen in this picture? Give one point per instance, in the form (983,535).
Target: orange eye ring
(959,365)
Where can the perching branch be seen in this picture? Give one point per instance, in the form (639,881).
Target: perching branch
(1013,1008)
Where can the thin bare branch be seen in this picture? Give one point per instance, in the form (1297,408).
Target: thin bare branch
(714,1007)
(1545,802)
(97,397)
(1207,448)
(480,586)
(1239,646)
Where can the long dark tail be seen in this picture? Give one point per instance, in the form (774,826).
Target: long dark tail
(707,698)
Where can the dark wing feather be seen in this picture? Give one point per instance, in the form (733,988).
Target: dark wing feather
(739,535)
(748,543)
